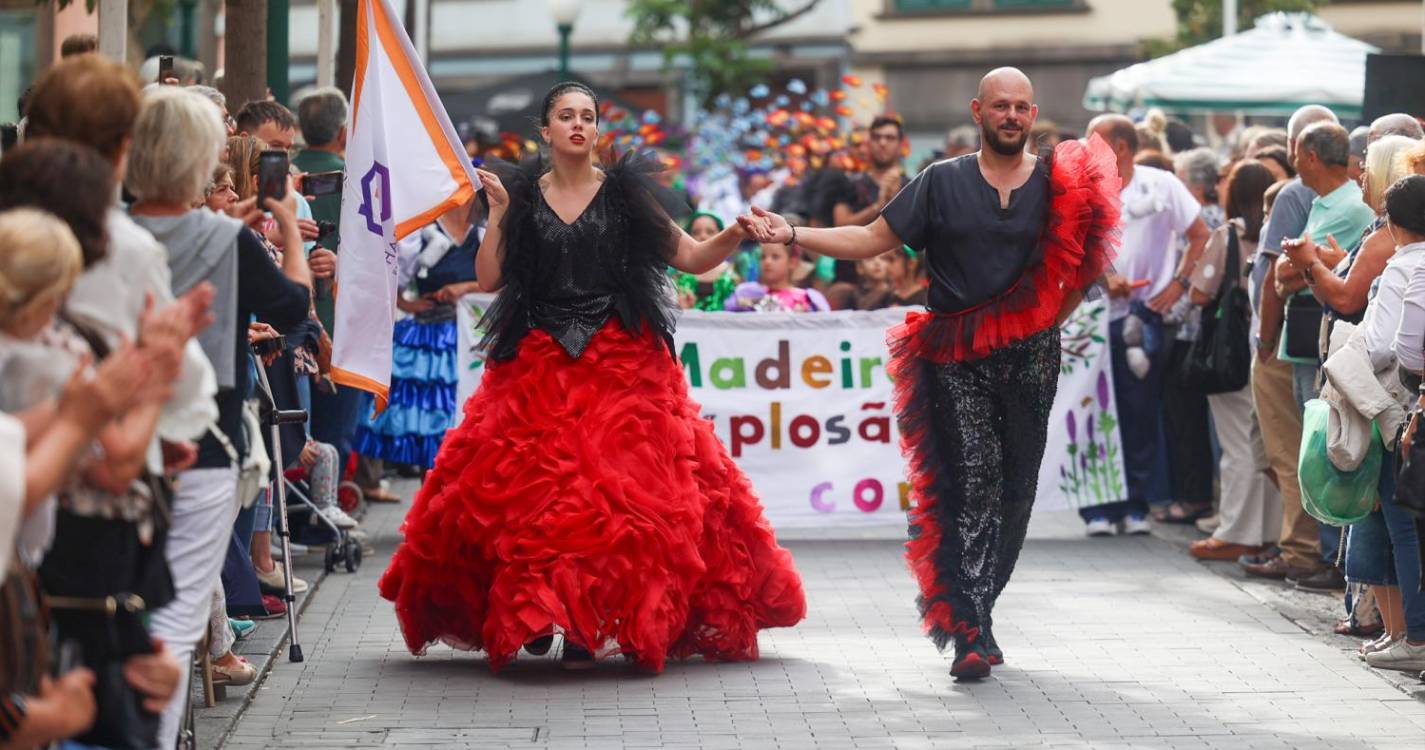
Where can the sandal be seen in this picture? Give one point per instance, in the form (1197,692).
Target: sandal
(1348,627)
(1180,512)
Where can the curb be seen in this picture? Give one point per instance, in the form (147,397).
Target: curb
(1312,613)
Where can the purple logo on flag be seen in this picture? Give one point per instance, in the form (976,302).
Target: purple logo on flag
(376,190)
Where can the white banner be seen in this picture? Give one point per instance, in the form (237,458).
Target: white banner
(1083,460)
(803,404)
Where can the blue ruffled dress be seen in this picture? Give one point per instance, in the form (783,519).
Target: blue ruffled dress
(421,404)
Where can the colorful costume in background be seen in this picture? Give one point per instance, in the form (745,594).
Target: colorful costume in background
(754,297)
(975,376)
(423,371)
(583,493)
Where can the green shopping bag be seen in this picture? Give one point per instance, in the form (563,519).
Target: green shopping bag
(1332,496)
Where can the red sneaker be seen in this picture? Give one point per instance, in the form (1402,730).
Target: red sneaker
(275,607)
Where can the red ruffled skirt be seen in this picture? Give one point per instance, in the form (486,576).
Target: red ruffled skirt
(587,496)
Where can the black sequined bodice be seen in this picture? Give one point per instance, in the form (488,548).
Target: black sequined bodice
(579,292)
(569,279)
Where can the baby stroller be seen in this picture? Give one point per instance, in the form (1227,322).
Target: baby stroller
(343,550)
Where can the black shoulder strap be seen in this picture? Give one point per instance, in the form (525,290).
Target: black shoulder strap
(91,337)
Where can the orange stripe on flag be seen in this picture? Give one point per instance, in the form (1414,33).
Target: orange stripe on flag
(347,377)
(391,40)
(363,52)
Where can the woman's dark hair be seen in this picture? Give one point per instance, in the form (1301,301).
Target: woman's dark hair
(1246,185)
(1405,204)
(560,89)
(70,180)
(1278,155)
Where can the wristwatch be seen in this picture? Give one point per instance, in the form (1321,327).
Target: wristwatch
(1306,274)
(1185,282)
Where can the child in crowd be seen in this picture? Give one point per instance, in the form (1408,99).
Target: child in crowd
(775,291)
(709,290)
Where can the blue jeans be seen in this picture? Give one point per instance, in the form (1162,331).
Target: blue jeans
(334,418)
(1139,424)
(1370,557)
(1406,544)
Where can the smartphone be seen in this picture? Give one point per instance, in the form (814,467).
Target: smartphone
(165,67)
(319,184)
(268,347)
(272,174)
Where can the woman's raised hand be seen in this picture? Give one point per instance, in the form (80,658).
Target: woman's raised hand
(494,189)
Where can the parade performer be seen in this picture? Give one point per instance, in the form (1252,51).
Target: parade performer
(1012,241)
(583,494)
(440,263)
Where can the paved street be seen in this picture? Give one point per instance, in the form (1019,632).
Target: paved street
(1110,643)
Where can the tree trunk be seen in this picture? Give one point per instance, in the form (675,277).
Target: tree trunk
(245,56)
(346,46)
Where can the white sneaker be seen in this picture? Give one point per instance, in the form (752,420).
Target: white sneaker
(1370,647)
(338,517)
(1137,526)
(273,579)
(1099,527)
(1400,655)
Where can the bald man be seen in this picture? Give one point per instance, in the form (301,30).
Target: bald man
(975,377)
(1397,123)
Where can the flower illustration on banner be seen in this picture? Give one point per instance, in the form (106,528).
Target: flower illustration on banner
(1080,338)
(478,329)
(1092,473)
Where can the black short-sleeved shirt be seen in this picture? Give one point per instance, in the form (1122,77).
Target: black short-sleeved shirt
(976,249)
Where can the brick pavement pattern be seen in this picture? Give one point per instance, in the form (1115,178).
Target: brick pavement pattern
(1116,643)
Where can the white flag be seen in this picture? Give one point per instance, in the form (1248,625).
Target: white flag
(405,166)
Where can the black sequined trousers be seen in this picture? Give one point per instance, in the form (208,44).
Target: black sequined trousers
(983,439)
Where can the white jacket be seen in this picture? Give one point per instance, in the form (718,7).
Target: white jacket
(1358,395)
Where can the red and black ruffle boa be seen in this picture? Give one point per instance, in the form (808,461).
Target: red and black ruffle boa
(1080,241)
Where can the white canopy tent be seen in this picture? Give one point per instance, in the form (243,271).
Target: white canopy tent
(1287,60)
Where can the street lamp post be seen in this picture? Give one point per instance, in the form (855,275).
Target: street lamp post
(564,13)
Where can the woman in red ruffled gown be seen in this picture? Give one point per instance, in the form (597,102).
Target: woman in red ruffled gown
(582,494)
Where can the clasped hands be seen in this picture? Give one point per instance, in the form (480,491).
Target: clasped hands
(764,226)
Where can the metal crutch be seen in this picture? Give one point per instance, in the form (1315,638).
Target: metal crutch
(275,418)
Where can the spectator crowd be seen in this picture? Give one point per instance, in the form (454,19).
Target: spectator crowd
(160,300)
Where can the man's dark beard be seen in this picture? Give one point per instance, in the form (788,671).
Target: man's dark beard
(990,137)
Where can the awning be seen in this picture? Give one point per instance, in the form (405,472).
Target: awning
(1285,61)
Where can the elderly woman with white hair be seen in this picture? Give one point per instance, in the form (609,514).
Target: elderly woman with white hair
(176,144)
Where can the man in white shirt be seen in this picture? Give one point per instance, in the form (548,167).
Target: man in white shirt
(1151,277)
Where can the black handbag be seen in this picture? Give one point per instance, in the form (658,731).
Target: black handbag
(102,581)
(1410,472)
(1220,360)
(1301,330)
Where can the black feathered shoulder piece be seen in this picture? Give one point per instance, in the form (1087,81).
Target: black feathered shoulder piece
(634,244)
